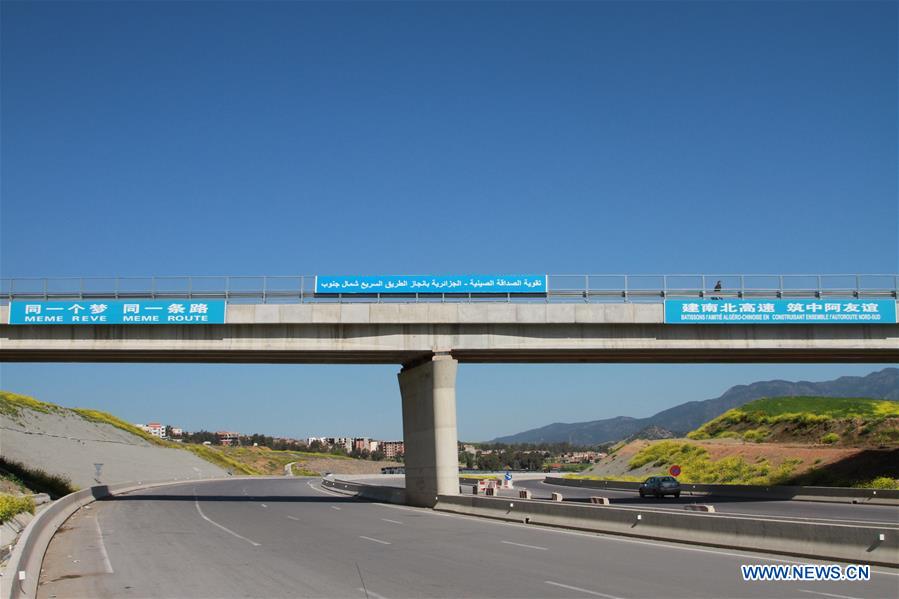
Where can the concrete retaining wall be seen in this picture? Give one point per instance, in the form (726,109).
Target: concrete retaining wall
(831,494)
(856,544)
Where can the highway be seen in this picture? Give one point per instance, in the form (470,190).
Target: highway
(758,508)
(290,538)
(846,513)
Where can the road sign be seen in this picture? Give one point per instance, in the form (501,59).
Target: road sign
(508,476)
(421,284)
(674,470)
(781,311)
(104,311)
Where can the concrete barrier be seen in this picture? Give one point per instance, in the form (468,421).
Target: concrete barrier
(524,494)
(785,493)
(600,500)
(370,492)
(700,507)
(556,497)
(877,545)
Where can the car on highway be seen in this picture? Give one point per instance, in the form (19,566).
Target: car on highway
(659,486)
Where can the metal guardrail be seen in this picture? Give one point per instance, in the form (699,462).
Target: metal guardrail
(562,288)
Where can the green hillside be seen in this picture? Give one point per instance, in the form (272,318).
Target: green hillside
(855,422)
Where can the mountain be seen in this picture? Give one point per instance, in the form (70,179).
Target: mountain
(883,384)
(652,433)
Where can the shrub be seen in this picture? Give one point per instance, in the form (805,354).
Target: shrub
(830,438)
(55,485)
(11,505)
(756,435)
(882,482)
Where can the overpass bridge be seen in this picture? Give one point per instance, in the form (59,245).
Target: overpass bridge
(429,335)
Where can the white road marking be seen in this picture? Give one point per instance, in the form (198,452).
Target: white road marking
(106,562)
(391,521)
(334,507)
(827,594)
(263,505)
(579,589)
(293,518)
(214,523)
(370,594)
(325,491)
(375,540)
(523,545)
(609,537)
(758,516)
(619,539)
(404,508)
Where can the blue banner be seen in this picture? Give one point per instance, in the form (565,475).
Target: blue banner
(780,311)
(118,312)
(429,284)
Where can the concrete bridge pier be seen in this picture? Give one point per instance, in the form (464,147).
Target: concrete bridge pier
(429,429)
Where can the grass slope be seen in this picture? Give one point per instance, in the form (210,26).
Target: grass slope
(12,404)
(697,466)
(854,421)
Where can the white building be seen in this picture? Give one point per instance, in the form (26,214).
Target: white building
(154,428)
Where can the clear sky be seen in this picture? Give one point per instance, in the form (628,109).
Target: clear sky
(143,138)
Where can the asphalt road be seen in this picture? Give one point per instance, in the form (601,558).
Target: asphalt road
(844,513)
(290,538)
(761,508)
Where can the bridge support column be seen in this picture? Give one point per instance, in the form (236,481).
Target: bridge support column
(429,430)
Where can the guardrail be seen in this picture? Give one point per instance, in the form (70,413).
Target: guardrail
(562,288)
(791,493)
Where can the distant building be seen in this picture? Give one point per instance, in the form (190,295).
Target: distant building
(392,449)
(362,444)
(154,428)
(581,457)
(228,438)
(177,432)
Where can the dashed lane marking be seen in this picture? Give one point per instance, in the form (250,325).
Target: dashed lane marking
(524,545)
(375,540)
(580,590)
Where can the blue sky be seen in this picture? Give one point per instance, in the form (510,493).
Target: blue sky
(145,138)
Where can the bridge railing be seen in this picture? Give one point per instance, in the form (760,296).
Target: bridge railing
(577,288)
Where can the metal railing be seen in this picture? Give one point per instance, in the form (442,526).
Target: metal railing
(562,288)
